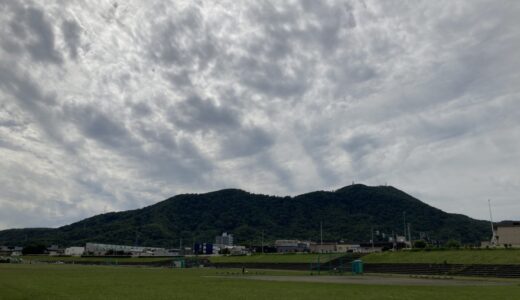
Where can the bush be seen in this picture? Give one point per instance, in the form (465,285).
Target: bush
(224,251)
(453,244)
(420,244)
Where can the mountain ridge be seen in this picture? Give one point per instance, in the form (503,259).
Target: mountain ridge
(348,213)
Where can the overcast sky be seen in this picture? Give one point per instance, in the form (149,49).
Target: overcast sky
(108,106)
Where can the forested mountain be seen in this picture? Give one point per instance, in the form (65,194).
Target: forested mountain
(347,214)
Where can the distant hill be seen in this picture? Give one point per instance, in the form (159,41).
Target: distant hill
(347,214)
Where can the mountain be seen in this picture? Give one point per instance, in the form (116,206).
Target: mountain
(346,214)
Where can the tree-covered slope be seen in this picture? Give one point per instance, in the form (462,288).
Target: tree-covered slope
(346,214)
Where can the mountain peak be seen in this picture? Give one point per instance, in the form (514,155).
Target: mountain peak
(351,187)
(227,191)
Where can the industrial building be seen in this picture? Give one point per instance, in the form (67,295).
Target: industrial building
(508,233)
(287,246)
(346,248)
(74,251)
(108,249)
(323,248)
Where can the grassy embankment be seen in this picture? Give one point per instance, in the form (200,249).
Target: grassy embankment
(107,260)
(275,258)
(462,256)
(257,258)
(103,282)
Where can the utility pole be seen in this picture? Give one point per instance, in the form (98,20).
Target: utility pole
(404,225)
(372,232)
(409,235)
(262,242)
(321,233)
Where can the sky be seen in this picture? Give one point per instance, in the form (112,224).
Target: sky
(109,106)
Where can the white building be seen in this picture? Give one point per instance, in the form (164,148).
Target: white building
(74,251)
(224,240)
(108,249)
(159,252)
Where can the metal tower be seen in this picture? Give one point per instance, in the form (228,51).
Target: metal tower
(494,240)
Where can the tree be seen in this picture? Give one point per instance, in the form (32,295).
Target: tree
(453,244)
(35,248)
(420,244)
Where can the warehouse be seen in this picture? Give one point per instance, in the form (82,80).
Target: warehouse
(508,233)
(108,249)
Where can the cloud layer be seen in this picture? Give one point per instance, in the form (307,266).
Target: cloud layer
(111,106)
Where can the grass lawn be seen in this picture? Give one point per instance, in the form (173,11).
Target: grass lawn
(484,256)
(275,258)
(105,282)
(108,260)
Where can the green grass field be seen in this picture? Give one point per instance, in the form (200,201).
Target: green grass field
(484,256)
(275,258)
(45,281)
(108,260)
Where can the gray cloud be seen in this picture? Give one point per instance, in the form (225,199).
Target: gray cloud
(28,95)
(98,125)
(29,27)
(184,166)
(194,113)
(184,42)
(282,98)
(42,48)
(360,145)
(72,35)
(245,142)
(273,80)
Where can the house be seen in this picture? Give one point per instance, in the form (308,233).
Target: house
(17,251)
(4,250)
(10,251)
(55,250)
(508,233)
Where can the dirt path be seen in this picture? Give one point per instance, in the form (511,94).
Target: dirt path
(376,280)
